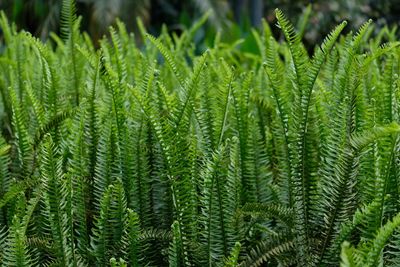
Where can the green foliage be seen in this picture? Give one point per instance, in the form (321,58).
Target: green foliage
(156,156)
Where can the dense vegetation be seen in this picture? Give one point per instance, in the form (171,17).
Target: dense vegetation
(155,156)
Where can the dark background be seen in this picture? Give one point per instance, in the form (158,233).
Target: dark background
(233,17)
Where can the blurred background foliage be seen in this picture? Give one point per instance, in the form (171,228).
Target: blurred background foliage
(233,18)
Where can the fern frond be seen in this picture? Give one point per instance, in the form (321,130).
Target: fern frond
(132,232)
(53,123)
(269,210)
(360,140)
(175,258)
(5,178)
(267,250)
(169,58)
(15,251)
(57,199)
(23,141)
(69,24)
(187,36)
(347,257)
(374,249)
(233,258)
(109,225)
(68,18)
(298,53)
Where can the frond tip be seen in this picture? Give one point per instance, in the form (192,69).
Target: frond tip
(67,18)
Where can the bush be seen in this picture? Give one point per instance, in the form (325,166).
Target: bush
(153,156)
